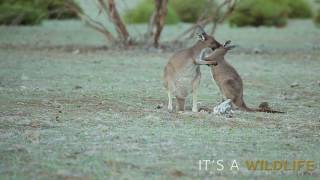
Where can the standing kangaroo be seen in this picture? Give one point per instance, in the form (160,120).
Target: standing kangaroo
(182,72)
(228,79)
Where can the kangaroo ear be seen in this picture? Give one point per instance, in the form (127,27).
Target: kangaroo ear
(201,33)
(227,43)
(202,37)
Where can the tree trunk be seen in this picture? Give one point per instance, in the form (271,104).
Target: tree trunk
(116,20)
(157,22)
(96,25)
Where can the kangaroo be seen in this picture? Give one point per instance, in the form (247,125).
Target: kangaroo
(228,79)
(182,72)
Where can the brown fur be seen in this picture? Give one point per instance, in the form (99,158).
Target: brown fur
(182,72)
(228,79)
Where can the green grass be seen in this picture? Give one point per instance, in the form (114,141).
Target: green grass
(92,115)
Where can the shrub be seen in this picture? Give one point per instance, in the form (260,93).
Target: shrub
(31,12)
(142,12)
(317,18)
(19,14)
(299,9)
(57,10)
(191,10)
(260,12)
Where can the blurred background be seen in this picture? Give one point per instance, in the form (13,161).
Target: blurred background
(82,96)
(134,22)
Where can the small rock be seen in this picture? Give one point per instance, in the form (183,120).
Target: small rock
(160,50)
(77,87)
(295,84)
(318,82)
(76,51)
(23,87)
(205,110)
(24,77)
(159,106)
(202,112)
(257,51)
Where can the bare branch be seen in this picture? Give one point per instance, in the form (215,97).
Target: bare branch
(204,21)
(115,18)
(228,12)
(91,22)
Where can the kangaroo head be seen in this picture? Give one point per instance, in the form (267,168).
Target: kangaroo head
(227,45)
(208,40)
(220,52)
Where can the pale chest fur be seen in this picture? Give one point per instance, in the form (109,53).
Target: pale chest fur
(185,78)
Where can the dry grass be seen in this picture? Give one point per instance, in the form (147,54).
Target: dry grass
(92,114)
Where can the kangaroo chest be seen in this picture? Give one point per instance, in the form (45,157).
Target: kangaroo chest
(186,78)
(225,72)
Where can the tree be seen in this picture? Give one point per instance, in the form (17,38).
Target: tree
(108,7)
(218,17)
(157,21)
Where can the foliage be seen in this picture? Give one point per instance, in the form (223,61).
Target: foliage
(142,12)
(317,18)
(31,12)
(22,14)
(190,10)
(299,9)
(57,10)
(260,12)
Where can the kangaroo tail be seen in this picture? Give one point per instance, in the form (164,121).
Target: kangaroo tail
(263,107)
(269,111)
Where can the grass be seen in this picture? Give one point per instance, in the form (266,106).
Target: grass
(92,114)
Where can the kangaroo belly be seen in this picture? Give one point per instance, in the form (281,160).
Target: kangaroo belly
(185,81)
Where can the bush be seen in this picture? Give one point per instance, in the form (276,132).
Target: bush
(317,18)
(142,12)
(260,12)
(31,12)
(19,14)
(57,10)
(191,10)
(299,9)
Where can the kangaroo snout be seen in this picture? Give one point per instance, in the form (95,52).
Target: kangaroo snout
(215,44)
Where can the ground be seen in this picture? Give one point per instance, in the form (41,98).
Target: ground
(71,109)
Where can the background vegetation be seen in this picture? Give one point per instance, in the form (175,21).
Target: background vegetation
(178,10)
(260,12)
(317,15)
(269,12)
(31,12)
(191,11)
(299,9)
(247,12)
(317,18)
(142,12)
